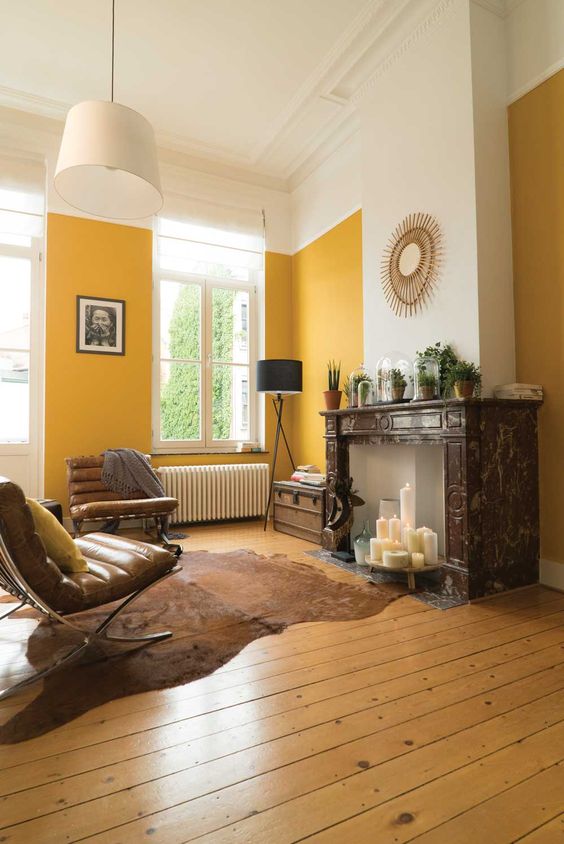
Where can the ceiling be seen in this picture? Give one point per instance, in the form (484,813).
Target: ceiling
(260,85)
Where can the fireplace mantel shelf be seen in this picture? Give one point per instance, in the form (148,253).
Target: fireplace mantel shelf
(490,481)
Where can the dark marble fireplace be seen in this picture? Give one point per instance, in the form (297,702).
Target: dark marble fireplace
(490,459)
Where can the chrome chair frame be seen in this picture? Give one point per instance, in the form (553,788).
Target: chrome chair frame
(12,582)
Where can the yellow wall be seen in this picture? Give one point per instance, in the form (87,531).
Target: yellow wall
(94,402)
(278,344)
(313,311)
(327,323)
(536,143)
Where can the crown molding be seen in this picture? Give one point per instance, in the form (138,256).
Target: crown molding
(316,84)
(422,30)
(536,81)
(497,7)
(379,36)
(22,101)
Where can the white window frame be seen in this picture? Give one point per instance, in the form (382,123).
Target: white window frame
(206,444)
(33,449)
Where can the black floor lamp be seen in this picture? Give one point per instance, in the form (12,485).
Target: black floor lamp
(280,378)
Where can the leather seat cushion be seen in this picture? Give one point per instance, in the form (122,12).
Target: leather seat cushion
(116,568)
(132,507)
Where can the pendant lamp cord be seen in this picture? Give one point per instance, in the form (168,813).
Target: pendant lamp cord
(113,42)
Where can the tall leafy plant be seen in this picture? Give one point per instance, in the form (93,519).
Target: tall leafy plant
(333,375)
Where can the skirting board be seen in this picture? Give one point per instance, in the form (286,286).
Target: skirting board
(552,574)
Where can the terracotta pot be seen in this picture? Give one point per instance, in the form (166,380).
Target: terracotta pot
(332,399)
(463,389)
(427,393)
(397,393)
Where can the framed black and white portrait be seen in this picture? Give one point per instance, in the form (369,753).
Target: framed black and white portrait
(100,326)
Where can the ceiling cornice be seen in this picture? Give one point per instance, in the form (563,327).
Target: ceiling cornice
(422,30)
(321,114)
(497,7)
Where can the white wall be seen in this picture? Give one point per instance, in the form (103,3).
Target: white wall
(328,195)
(535,40)
(418,155)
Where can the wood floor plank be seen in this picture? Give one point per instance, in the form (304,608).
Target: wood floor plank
(355,733)
(328,729)
(432,804)
(508,816)
(323,779)
(549,833)
(73,736)
(285,709)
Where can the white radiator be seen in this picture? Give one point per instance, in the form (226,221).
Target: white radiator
(209,493)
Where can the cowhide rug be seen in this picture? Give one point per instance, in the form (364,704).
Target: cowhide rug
(215,606)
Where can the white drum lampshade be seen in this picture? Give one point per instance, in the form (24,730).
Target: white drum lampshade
(107,163)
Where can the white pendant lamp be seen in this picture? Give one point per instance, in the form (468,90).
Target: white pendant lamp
(107,163)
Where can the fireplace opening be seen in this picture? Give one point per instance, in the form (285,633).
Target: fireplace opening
(381,473)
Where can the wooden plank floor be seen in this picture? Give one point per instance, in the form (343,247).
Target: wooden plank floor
(414,724)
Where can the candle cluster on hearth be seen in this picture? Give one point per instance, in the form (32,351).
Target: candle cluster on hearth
(399,543)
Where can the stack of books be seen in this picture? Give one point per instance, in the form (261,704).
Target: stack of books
(519,391)
(247,447)
(309,476)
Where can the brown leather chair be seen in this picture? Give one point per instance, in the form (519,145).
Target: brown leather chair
(91,500)
(117,569)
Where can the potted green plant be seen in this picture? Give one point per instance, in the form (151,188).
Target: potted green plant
(465,378)
(333,394)
(428,387)
(446,357)
(358,397)
(398,384)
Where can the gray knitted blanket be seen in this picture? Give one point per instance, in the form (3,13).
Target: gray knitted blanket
(128,472)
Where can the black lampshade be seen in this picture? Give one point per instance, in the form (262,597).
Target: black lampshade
(279,376)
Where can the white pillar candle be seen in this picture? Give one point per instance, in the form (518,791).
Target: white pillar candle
(395,559)
(376,550)
(431,548)
(382,528)
(420,532)
(407,505)
(395,529)
(417,560)
(411,540)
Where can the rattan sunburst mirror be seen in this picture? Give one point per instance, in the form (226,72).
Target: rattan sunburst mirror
(411,261)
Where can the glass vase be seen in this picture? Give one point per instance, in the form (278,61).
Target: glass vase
(362,544)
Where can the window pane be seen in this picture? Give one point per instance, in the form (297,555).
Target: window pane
(180,401)
(15,281)
(230,402)
(180,320)
(14,397)
(230,328)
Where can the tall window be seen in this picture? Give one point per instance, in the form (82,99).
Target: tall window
(20,228)
(206,337)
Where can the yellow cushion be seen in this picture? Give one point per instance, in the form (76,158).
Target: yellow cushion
(59,545)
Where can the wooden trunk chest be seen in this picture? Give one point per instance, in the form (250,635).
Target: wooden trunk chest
(299,510)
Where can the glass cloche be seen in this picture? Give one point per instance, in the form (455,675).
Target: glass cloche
(394,378)
(359,376)
(427,379)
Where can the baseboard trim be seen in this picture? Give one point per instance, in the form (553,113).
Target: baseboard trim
(552,574)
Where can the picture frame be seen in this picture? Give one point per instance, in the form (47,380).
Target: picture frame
(100,326)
